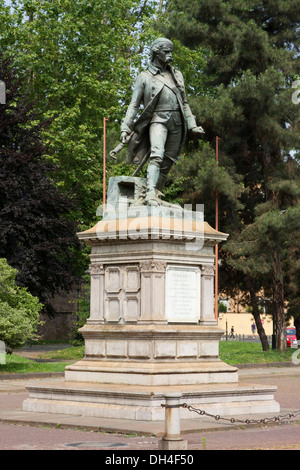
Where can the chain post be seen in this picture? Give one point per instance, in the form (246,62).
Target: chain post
(172,439)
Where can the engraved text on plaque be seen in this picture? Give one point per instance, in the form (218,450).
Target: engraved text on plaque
(183,294)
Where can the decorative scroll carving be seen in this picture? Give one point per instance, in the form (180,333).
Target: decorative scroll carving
(96,269)
(153,266)
(207,270)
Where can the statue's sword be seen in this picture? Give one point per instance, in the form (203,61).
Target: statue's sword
(121,145)
(142,163)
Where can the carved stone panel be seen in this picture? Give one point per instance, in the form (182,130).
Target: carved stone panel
(131,306)
(113,310)
(113,280)
(122,293)
(131,279)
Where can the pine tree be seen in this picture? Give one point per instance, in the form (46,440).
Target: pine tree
(253,63)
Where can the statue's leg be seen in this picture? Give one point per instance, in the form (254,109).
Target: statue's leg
(153,171)
(171,150)
(165,167)
(158,136)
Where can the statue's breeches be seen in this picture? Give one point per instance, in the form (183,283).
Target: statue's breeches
(165,139)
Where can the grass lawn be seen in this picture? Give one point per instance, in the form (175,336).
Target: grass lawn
(231,352)
(74,353)
(235,352)
(20,365)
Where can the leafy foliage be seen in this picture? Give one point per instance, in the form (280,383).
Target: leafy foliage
(37,233)
(78,59)
(19,310)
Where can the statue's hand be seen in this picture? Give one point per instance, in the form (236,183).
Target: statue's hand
(124,137)
(198,130)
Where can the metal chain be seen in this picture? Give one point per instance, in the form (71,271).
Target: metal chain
(243,421)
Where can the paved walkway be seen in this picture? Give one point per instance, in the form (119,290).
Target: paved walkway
(49,432)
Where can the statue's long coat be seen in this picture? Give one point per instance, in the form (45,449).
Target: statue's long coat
(147,90)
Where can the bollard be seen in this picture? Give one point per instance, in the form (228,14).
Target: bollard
(2,92)
(2,353)
(172,439)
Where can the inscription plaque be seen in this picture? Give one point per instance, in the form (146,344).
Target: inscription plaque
(182,294)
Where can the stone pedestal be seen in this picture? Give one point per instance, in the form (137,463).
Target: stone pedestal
(152,329)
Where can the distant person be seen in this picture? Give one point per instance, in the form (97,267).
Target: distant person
(231,332)
(253,328)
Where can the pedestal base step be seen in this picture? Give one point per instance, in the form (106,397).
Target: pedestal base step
(145,403)
(150,373)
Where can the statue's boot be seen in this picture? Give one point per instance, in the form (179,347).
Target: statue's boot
(161,182)
(163,174)
(152,179)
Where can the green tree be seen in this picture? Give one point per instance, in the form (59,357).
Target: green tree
(19,310)
(78,58)
(253,63)
(38,235)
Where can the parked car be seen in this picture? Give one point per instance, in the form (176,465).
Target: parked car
(291,338)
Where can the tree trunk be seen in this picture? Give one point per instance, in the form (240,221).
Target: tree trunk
(278,302)
(256,315)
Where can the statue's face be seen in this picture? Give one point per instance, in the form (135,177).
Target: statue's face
(164,54)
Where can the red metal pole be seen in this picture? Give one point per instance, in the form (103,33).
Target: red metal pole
(216,246)
(104,162)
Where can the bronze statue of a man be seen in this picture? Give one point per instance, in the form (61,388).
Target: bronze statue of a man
(159,132)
